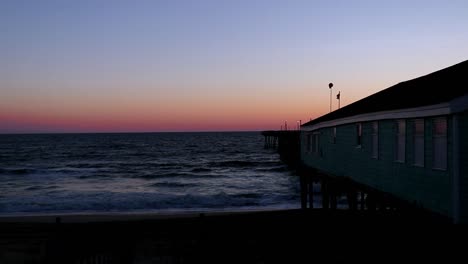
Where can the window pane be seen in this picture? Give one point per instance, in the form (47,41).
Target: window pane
(375,146)
(440,143)
(419,151)
(419,142)
(400,141)
(401,149)
(440,152)
(316,142)
(375,140)
(440,126)
(401,127)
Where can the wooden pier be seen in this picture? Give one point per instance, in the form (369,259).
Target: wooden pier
(287,143)
(332,189)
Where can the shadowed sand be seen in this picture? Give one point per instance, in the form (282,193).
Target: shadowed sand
(288,236)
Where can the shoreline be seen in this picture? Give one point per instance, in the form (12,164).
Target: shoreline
(85,217)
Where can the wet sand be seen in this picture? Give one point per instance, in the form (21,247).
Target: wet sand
(288,236)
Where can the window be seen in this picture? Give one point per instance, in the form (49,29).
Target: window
(418,141)
(359,134)
(308,143)
(315,143)
(375,140)
(334,135)
(439,141)
(400,141)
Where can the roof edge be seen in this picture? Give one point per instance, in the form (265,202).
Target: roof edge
(418,112)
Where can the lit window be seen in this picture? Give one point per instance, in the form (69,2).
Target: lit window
(439,141)
(400,141)
(419,142)
(375,140)
(359,134)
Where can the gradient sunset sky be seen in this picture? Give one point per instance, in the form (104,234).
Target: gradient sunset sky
(199,65)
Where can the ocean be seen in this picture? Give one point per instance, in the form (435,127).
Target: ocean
(142,173)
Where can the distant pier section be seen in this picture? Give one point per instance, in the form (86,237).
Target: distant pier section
(287,142)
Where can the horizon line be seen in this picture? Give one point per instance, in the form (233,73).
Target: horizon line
(133,132)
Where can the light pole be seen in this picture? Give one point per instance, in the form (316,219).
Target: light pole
(330,85)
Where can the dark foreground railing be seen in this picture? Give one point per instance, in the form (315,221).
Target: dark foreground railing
(290,236)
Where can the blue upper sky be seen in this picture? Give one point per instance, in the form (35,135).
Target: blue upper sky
(160,58)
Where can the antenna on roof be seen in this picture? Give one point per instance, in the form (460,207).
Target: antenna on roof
(330,85)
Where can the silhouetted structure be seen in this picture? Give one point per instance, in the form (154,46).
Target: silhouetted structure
(409,142)
(287,143)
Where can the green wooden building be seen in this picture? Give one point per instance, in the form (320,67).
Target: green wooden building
(409,140)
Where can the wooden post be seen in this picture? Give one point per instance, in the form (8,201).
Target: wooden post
(311,192)
(371,203)
(362,200)
(334,194)
(325,195)
(383,201)
(303,183)
(352,200)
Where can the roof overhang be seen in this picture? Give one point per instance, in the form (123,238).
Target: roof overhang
(457,105)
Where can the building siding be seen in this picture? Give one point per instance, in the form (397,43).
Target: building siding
(463,125)
(422,185)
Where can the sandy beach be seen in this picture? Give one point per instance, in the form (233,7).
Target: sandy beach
(288,236)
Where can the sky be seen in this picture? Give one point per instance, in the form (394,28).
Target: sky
(210,65)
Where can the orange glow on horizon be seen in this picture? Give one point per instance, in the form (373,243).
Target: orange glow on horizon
(153,113)
(246,118)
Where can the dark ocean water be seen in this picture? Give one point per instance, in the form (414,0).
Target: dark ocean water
(141,172)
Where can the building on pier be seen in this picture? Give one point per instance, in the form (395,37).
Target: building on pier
(409,140)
